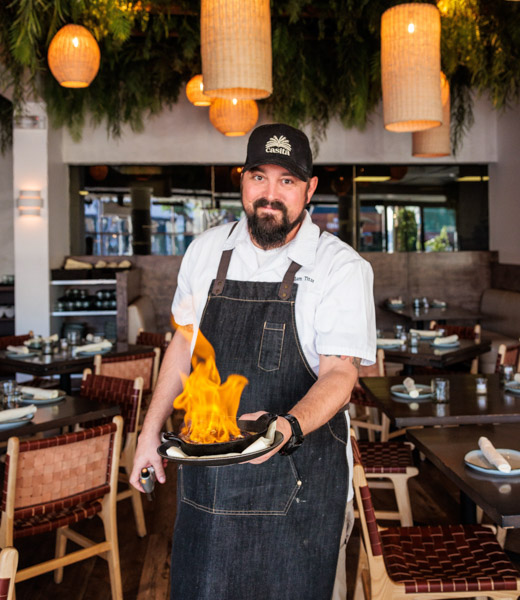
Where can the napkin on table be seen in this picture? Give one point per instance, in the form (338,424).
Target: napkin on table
(449,339)
(425,333)
(98,347)
(439,303)
(38,393)
(387,341)
(493,456)
(409,384)
(18,349)
(10,414)
(517,377)
(396,300)
(259,444)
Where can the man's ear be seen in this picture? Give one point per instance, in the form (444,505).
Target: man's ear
(313,184)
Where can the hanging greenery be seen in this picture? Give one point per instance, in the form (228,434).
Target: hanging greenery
(326,61)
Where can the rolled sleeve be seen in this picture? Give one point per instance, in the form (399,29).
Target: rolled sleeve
(345,317)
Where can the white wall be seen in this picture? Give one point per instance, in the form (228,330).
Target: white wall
(504,190)
(184,135)
(6,214)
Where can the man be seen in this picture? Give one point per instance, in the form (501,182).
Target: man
(293,311)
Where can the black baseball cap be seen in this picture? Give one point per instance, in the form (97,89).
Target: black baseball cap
(282,145)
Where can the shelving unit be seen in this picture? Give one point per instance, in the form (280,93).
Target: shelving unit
(6,299)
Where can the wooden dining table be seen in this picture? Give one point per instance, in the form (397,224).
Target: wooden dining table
(64,413)
(464,407)
(498,495)
(427,355)
(421,317)
(62,363)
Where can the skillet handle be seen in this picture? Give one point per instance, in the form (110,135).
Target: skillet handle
(258,426)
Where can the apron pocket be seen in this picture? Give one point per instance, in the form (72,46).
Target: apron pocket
(241,489)
(271,345)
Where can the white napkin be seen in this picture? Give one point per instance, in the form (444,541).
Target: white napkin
(34,340)
(517,377)
(397,300)
(259,444)
(409,384)
(494,457)
(18,349)
(387,341)
(10,414)
(449,339)
(52,338)
(105,344)
(38,393)
(438,302)
(425,333)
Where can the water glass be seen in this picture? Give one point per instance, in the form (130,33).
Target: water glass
(481,385)
(12,400)
(398,331)
(413,338)
(441,389)
(507,373)
(73,337)
(9,387)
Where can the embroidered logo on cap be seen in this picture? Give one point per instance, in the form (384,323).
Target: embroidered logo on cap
(279,145)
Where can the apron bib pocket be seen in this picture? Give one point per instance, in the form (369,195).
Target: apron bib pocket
(270,355)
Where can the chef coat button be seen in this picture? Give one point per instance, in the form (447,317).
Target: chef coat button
(298,483)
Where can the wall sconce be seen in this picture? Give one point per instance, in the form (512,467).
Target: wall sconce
(29,202)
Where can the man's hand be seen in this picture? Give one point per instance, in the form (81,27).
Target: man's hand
(282,425)
(146,455)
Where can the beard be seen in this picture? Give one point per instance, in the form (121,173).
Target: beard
(267,230)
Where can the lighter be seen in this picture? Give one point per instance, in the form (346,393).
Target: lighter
(147,480)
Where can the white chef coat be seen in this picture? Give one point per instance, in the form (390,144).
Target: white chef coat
(334,306)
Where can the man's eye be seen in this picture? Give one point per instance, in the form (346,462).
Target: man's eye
(287,181)
(258,177)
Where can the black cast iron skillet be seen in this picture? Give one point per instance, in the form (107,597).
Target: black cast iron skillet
(252,430)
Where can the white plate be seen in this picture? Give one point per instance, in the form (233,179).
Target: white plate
(452,345)
(20,355)
(29,399)
(513,387)
(397,344)
(477,460)
(425,391)
(93,353)
(15,423)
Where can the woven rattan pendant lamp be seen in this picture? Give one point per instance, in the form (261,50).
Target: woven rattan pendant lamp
(233,117)
(235,39)
(74,56)
(410,67)
(434,142)
(195,92)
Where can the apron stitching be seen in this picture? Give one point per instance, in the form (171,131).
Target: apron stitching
(302,356)
(246,300)
(334,435)
(243,513)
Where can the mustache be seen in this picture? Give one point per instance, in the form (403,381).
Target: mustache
(275,204)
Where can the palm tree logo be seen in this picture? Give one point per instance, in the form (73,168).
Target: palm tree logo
(279,142)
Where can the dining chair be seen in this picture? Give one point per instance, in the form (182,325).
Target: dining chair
(157,340)
(52,483)
(14,340)
(508,355)
(144,365)
(465,332)
(8,564)
(127,394)
(428,562)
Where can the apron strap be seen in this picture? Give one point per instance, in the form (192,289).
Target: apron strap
(286,286)
(223,266)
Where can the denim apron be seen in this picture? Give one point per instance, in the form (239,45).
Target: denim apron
(269,531)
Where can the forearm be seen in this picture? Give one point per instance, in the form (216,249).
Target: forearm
(329,394)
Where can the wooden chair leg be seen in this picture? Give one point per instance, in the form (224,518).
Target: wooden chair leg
(108,516)
(362,587)
(61,547)
(137,505)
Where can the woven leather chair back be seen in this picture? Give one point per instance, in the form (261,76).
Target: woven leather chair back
(8,564)
(157,340)
(365,501)
(61,472)
(130,367)
(114,390)
(13,340)
(508,355)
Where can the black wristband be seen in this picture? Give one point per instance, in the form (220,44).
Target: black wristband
(296,439)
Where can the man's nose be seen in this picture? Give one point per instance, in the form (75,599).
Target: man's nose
(272,190)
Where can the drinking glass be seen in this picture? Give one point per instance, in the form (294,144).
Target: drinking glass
(73,337)
(441,389)
(481,385)
(9,387)
(398,331)
(507,373)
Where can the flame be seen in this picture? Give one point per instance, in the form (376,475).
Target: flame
(210,406)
